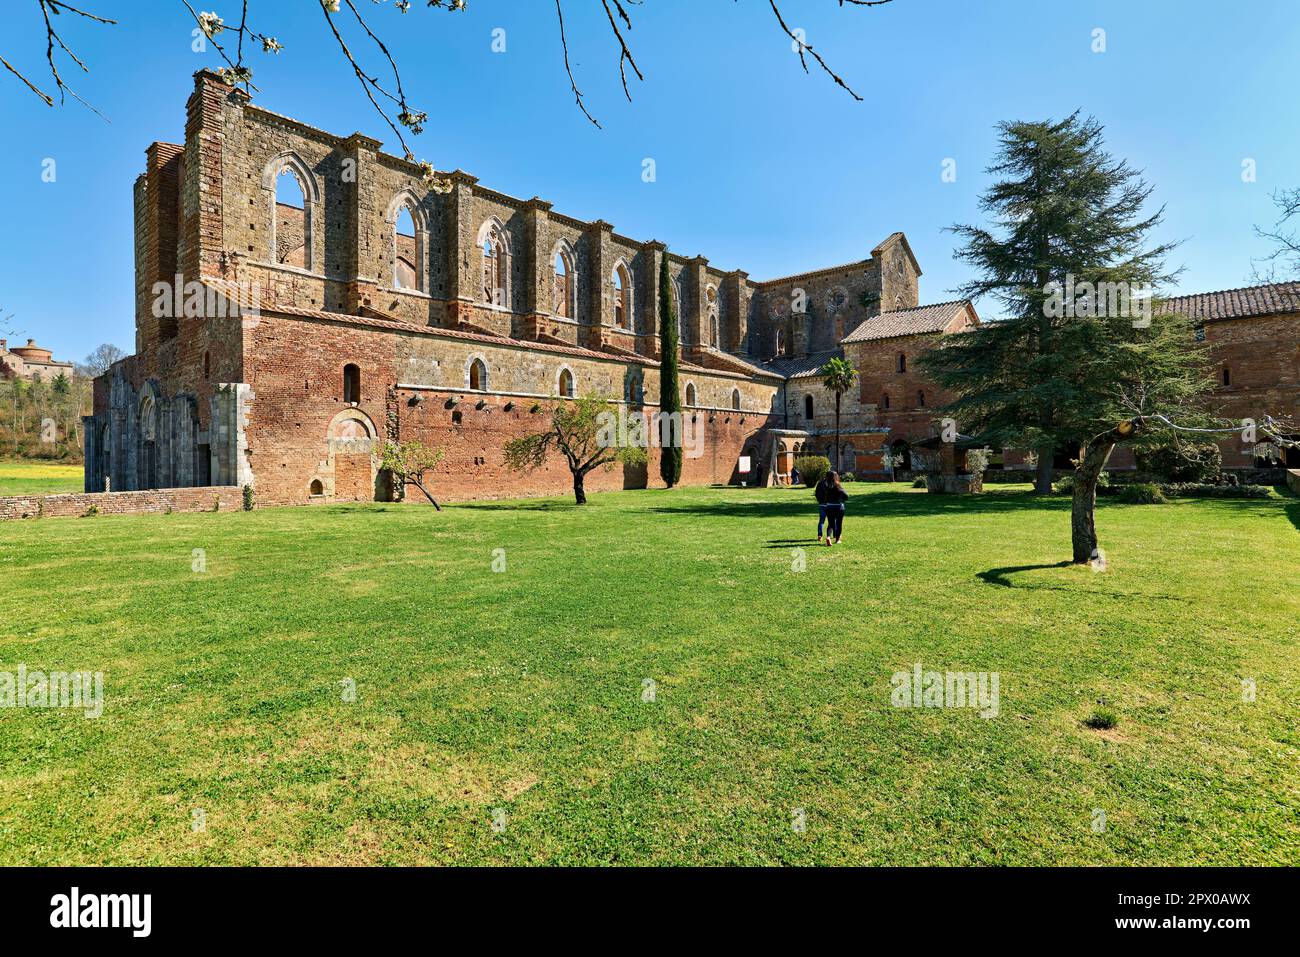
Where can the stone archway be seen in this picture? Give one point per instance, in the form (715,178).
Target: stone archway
(352,450)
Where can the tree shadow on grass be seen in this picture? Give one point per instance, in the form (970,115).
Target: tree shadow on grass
(526,505)
(998,576)
(879,505)
(1293,513)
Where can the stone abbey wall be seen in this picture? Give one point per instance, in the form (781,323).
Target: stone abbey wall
(453,330)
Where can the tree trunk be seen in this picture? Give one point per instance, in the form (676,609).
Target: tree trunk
(838,459)
(1043,474)
(420,486)
(579,493)
(1083,526)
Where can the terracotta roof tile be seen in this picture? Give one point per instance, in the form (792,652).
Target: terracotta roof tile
(1237,303)
(794,367)
(907,322)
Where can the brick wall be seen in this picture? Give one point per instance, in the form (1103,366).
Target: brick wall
(1262,356)
(122,503)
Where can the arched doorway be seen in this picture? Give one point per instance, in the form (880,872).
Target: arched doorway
(353,443)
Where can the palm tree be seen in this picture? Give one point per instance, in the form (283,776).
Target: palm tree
(839,377)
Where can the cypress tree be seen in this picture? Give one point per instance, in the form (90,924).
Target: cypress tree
(670,434)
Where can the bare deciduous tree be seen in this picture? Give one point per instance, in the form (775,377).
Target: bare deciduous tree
(100,358)
(383,88)
(1283,263)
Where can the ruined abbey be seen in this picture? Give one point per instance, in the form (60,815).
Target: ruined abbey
(302,297)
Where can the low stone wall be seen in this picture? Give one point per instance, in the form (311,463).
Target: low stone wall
(1293,480)
(160,500)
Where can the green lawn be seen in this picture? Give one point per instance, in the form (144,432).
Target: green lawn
(522,690)
(39,477)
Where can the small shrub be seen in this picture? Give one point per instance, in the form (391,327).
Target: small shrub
(812,468)
(977,461)
(1198,462)
(919,483)
(1203,490)
(1142,493)
(848,477)
(1102,719)
(90,512)
(248,498)
(1065,486)
(216,504)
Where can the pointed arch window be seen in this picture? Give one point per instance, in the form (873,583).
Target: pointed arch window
(563,299)
(690,393)
(293,211)
(735,399)
(409,238)
(495,245)
(677,306)
(621,280)
(901,364)
(566,384)
(478,376)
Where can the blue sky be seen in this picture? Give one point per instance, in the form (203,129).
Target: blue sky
(758,166)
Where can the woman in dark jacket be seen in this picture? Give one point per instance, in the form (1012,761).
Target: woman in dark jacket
(835,499)
(822,487)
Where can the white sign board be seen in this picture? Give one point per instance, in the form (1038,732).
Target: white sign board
(744,464)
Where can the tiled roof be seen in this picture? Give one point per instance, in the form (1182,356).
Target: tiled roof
(725,361)
(1237,303)
(793,367)
(907,322)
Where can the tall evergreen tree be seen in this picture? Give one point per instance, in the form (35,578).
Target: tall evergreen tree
(670,434)
(1080,357)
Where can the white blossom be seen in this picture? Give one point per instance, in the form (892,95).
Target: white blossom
(210,24)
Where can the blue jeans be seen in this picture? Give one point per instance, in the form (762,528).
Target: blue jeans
(821,519)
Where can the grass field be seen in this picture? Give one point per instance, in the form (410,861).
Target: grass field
(39,477)
(516,697)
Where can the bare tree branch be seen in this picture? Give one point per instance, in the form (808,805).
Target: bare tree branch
(804,47)
(238,73)
(564,44)
(624,55)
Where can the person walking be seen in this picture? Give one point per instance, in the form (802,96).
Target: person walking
(836,498)
(823,486)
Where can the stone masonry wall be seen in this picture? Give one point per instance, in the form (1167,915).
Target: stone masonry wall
(158,501)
